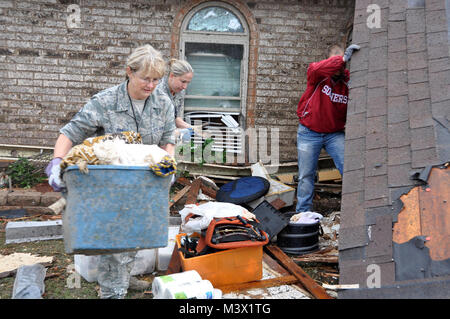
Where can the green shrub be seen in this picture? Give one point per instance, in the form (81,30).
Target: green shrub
(24,174)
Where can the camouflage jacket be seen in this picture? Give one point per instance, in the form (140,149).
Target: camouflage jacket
(177,99)
(110,111)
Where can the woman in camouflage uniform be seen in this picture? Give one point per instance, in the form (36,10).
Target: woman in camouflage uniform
(133,105)
(174,85)
(129,106)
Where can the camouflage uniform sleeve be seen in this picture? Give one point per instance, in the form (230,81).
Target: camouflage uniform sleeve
(179,104)
(84,124)
(168,136)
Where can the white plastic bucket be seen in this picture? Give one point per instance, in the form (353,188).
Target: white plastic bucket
(202,289)
(161,283)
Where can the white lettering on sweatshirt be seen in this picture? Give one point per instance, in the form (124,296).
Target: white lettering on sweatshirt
(335,98)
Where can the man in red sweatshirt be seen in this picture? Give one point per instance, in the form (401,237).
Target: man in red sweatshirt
(322,112)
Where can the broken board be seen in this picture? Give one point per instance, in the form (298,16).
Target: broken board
(10,263)
(329,175)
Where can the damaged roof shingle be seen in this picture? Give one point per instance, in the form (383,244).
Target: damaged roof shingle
(396,139)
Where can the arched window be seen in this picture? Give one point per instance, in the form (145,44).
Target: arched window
(215,19)
(214,40)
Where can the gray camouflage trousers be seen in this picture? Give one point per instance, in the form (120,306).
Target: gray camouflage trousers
(114,274)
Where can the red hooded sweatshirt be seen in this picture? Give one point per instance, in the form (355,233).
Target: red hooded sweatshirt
(323,106)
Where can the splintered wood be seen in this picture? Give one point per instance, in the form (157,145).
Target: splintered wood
(265,283)
(313,287)
(329,255)
(277,282)
(179,195)
(10,263)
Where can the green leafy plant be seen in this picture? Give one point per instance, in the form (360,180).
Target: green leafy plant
(24,174)
(195,155)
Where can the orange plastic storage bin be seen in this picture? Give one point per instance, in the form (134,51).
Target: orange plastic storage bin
(226,267)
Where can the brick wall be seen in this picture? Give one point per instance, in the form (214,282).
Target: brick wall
(49,69)
(292,34)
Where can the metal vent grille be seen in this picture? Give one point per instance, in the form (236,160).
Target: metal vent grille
(223,127)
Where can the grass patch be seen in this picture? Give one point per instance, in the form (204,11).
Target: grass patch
(58,273)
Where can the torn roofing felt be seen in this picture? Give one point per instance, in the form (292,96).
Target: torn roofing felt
(413,261)
(421,177)
(420,235)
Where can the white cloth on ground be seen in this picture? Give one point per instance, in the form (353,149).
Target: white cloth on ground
(306,218)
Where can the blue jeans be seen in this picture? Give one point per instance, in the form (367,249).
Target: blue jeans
(309,145)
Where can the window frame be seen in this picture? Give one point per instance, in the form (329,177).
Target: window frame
(233,38)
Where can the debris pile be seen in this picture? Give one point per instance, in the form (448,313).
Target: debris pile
(260,204)
(272,204)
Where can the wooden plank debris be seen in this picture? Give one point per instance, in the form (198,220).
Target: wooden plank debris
(206,189)
(278,203)
(179,195)
(274,265)
(338,287)
(175,261)
(58,206)
(10,263)
(313,287)
(329,175)
(233,171)
(279,270)
(265,283)
(317,259)
(327,255)
(330,274)
(183,181)
(193,192)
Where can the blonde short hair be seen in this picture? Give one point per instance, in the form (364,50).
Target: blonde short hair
(179,67)
(148,60)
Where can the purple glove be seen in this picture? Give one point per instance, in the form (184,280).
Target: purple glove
(53,172)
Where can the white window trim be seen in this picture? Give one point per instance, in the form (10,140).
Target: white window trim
(222,38)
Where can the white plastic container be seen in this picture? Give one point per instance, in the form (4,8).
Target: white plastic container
(145,262)
(202,289)
(87,265)
(161,283)
(165,253)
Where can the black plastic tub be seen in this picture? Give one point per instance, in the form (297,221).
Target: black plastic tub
(299,239)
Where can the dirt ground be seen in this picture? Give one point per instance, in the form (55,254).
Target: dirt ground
(59,272)
(58,276)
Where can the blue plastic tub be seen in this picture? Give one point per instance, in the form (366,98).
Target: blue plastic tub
(115,208)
